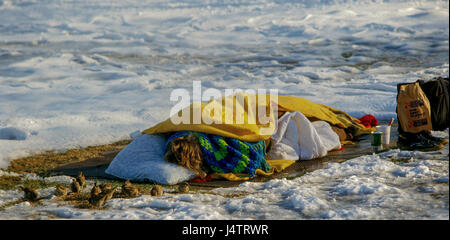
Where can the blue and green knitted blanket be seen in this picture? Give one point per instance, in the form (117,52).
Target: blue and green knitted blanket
(229,155)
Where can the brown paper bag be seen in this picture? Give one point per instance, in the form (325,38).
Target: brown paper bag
(413,108)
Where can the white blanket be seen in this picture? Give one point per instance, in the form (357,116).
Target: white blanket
(297,138)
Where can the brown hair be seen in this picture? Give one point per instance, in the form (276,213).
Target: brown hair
(186,152)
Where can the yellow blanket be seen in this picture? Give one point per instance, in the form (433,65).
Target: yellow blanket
(237,116)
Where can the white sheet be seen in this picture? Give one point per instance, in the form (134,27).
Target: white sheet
(297,138)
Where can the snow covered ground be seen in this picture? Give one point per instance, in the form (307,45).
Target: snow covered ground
(79,73)
(392,185)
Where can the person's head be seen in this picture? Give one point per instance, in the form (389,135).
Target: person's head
(186,152)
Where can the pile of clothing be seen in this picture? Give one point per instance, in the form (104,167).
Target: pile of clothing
(299,130)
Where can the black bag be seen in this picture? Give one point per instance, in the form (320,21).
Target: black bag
(436,91)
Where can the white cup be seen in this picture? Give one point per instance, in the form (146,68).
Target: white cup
(386,130)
